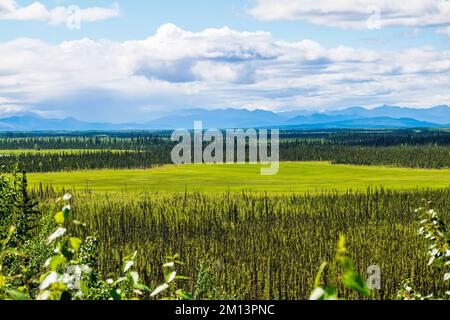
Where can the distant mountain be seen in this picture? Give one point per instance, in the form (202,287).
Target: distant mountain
(439,115)
(222,118)
(33,122)
(354,117)
(369,123)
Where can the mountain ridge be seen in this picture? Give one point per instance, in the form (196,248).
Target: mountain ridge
(353,117)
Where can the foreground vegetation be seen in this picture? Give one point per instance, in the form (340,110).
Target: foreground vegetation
(261,246)
(235,247)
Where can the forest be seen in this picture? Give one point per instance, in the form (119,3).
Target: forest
(224,244)
(427,148)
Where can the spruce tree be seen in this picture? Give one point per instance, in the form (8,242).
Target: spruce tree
(26,214)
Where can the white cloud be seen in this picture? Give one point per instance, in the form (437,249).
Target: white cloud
(11,10)
(9,106)
(445,31)
(355,13)
(175,68)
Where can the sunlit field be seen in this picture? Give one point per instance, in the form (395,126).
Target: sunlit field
(292,177)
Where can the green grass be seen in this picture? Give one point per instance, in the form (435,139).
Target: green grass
(52,151)
(298,177)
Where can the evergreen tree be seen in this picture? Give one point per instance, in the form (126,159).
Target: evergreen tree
(26,215)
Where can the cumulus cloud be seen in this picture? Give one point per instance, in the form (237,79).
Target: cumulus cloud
(445,31)
(355,13)
(37,11)
(175,68)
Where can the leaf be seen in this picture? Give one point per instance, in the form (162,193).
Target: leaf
(51,278)
(84,287)
(55,262)
(17,295)
(127,265)
(170,276)
(75,243)
(131,256)
(183,294)
(121,279)
(80,224)
(346,263)
(159,289)
(44,295)
(352,280)
(319,274)
(134,277)
(57,234)
(318,294)
(63,215)
(116,294)
(447,277)
(169,265)
(66,209)
(142,287)
(59,218)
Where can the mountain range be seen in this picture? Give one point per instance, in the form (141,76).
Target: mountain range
(350,118)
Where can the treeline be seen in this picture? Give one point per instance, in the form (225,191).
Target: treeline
(67,161)
(145,142)
(400,148)
(124,140)
(428,156)
(373,138)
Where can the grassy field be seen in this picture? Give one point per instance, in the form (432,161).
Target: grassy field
(298,177)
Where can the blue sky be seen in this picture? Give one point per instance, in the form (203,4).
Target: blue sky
(139,19)
(152,57)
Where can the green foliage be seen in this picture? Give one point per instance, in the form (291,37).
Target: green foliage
(207,285)
(7,290)
(9,185)
(71,273)
(26,217)
(407,292)
(169,288)
(17,207)
(348,276)
(264,245)
(70,268)
(436,232)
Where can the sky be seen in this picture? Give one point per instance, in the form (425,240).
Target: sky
(134,60)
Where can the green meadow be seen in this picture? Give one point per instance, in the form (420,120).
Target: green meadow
(292,177)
